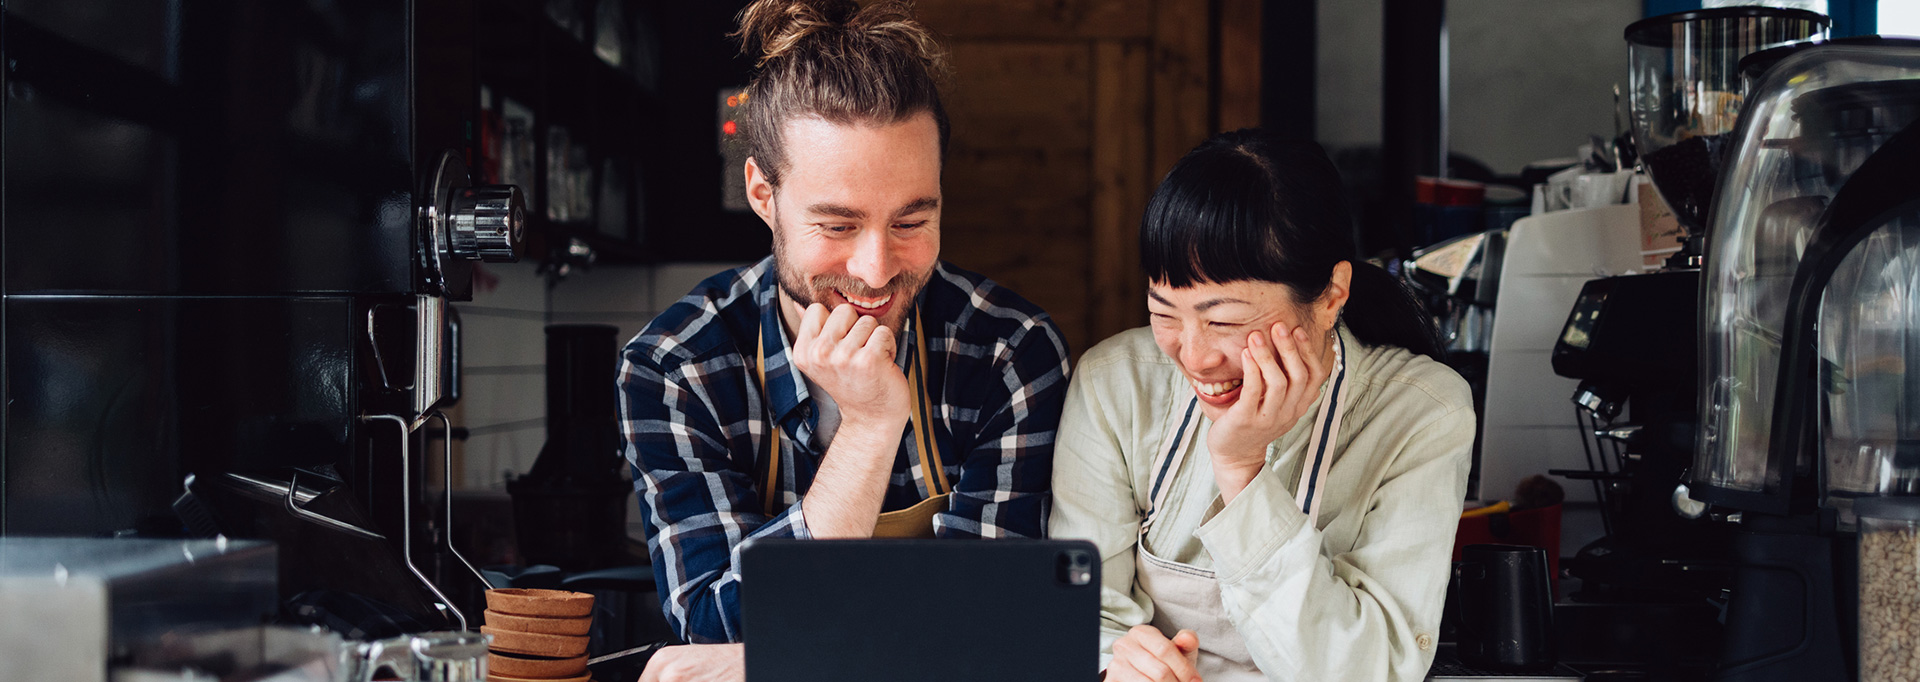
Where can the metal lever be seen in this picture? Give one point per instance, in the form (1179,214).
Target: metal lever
(293,507)
(406,513)
(446,470)
(1617,433)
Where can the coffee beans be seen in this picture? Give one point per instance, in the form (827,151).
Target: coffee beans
(1889,602)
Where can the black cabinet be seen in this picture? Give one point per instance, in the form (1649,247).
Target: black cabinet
(607,112)
(211,148)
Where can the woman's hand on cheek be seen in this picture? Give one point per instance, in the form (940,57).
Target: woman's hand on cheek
(1279,383)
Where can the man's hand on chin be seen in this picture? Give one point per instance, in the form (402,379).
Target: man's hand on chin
(698,663)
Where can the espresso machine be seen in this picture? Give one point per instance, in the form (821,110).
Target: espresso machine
(232,232)
(1808,326)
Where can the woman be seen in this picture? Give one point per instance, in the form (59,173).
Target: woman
(1273,469)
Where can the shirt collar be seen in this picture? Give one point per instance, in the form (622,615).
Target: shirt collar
(786,392)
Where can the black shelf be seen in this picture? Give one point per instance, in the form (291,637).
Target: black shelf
(543,234)
(662,133)
(523,55)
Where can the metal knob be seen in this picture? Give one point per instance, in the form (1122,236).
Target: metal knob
(488,223)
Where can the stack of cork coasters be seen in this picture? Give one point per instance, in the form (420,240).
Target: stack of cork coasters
(538,635)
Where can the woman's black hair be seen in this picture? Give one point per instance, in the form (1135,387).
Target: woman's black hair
(1246,205)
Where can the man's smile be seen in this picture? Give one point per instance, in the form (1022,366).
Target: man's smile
(875,307)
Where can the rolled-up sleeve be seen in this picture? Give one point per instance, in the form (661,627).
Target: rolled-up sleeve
(698,507)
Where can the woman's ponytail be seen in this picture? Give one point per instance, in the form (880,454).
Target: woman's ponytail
(1380,311)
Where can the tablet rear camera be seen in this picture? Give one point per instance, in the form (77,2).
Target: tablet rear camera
(1075,567)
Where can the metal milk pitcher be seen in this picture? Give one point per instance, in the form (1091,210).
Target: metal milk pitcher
(444,656)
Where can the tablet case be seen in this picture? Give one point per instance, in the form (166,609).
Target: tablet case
(927,610)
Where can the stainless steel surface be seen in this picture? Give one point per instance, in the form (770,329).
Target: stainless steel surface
(297,510)
(487,223)
(267,653)
(446,469)
(68,606)
(1685,505)
(379,360)
(1618,433)
(445,656)
(454,360)
(294,498)
(406,512)
(459,222)
(597,660)
(430,328)
(436,205)
(449,656)
(273,489)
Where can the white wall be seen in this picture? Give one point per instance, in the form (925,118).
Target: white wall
(1529,79)
(503,404)
(1347,74)
(503,370)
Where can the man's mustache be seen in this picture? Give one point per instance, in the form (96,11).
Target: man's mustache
(855,287)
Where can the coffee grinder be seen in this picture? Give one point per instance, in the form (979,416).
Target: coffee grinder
(1809,324)
(1685,96)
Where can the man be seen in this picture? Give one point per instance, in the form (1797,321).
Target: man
(777,400)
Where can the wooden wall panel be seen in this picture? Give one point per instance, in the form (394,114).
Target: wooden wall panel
(1239,55)
(1017,180)
(1021,94)
(1182,106)
(1053,20)
(1122,181)
(1065,114)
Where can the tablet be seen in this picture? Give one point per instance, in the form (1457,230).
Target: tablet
(929,610)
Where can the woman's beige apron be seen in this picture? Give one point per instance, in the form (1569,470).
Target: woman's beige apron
(1188,597)
(915,521)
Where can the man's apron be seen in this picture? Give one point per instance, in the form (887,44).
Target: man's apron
(1188,597)
(915,521)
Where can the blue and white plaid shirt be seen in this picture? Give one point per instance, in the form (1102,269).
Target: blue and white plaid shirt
(695,427)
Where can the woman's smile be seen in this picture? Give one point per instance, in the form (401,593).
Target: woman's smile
(1219,393)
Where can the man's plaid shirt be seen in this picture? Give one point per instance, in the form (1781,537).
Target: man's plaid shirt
(694,424)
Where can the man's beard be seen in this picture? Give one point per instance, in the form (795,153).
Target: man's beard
(903,287)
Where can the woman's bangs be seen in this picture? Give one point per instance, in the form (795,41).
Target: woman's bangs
(1206,231)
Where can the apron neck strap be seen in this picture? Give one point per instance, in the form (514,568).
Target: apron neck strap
(932,475)
(1320,445)
(1325,433)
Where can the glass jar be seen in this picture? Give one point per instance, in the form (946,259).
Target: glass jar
(1805,121)
(1686,92)
(1889,588)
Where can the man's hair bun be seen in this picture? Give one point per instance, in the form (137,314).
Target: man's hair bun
(839,61)
(772,28)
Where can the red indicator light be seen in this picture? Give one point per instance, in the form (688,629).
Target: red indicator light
(729,128)
(733,101)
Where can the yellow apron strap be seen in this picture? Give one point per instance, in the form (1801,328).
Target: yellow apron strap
(934,476)
(772,483)
(931,470)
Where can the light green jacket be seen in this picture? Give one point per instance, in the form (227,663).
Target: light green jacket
(1359,597)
